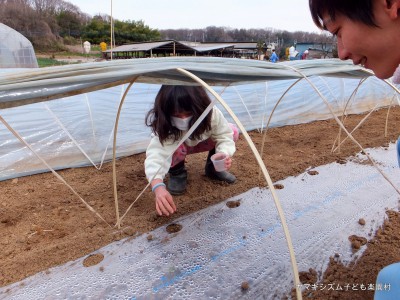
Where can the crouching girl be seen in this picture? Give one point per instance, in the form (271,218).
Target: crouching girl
(176,109)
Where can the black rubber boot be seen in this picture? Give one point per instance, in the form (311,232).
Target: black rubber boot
(211,173)
(177,179)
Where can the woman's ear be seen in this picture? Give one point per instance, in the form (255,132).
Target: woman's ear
(393,8)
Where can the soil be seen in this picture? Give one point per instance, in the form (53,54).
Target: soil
(43,224)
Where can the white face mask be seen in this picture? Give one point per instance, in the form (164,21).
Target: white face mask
(181,123)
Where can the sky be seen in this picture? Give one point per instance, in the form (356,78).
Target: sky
(290,15)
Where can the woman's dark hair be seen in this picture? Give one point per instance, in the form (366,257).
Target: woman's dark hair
(357,10)
(178,98)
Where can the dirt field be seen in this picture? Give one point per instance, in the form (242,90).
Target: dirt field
(42,224)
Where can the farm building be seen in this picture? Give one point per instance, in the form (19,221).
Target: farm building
(183,48)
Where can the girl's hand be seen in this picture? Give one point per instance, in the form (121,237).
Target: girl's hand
(164,203)
(228,162)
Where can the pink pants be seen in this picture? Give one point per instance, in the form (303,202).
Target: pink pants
(207,145)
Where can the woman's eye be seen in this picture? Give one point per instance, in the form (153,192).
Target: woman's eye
(335,33)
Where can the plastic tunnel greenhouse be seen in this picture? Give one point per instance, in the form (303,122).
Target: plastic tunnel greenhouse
(65,117)
(16,51)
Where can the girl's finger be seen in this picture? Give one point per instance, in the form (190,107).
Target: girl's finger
(158,210)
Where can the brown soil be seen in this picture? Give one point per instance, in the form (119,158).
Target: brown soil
(43,224)
(173,228)
(93,259)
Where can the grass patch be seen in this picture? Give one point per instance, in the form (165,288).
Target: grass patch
(67,54)
(49,62)
(50,59)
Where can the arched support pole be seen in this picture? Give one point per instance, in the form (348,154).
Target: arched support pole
(118,224)
(266,175)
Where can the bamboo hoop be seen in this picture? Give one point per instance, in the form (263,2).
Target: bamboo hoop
(363,120)
(74,141)
(183,139)
(344,128)
(387,115)
(118,224)
(354,129)
(265,172)
(202,116)
(344,116)
(269,120)
(59,177)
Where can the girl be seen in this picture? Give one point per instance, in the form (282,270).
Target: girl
(176,109)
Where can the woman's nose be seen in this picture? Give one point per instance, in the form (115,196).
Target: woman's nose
(342,52)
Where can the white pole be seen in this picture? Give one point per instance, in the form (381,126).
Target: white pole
(112,28)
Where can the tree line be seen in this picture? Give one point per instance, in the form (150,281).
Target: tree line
(50,24)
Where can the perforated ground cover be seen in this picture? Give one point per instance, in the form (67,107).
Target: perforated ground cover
(236,248)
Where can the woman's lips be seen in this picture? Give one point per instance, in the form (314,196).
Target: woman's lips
(363,62)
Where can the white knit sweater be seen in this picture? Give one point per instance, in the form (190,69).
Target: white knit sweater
(157,154)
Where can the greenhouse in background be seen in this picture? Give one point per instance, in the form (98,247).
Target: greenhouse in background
(16,51)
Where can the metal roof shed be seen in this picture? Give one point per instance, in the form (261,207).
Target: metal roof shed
(232,49)
(150,49)
(217,49)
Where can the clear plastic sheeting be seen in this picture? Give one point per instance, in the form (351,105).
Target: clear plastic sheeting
(21,88)
(16,51)
(219,248)
(78,131)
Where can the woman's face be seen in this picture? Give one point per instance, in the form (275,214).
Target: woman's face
(376,48)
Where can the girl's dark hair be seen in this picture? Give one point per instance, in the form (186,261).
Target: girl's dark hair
(357,10)
(178,98)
